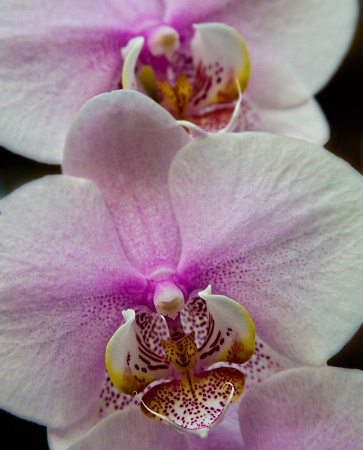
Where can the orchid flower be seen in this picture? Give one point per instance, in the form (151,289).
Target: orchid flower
(191,57)
(210,329)
(126,281)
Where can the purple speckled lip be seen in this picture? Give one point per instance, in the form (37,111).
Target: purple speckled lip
(181,349)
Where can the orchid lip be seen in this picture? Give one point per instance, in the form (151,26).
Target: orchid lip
(176,358)
(199,132)
(201,432)
(161,274)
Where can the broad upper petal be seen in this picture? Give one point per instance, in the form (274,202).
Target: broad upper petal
(64,282)
(312,37)
(305,408)
(125,143)
(277,224)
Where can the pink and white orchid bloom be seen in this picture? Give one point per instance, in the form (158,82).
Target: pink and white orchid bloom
(137,228)
(187,55)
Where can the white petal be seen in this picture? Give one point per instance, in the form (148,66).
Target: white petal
(277,224)
(305,408)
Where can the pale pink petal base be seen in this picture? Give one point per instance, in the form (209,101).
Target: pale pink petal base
(315,409)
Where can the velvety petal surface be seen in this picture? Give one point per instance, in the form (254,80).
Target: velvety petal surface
(276,224)
(54,57)
(311,36)
(318,409)
(180,14)
(277,101)
(223,329)
(132,430)
(125,143)
(45,80)
(21,16)
(64,282)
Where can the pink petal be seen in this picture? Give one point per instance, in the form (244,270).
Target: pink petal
(134,354)
(125,142)
(65,280)
(264,363)
(277,224)
(311,37)
(305,408)
(305,121)
(44,14)
(181,14)
(195,403)
(54,57)
(132,430)
(281,104)
(110,401)
(46,78)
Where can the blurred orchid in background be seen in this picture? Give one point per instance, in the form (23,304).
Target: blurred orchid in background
(142,221)
(54,56)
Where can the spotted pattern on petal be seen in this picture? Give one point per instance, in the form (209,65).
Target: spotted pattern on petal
(111,399)
(153,329)
(196,401)
(194,318)
(215,341)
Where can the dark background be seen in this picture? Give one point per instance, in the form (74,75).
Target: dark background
(341,101)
